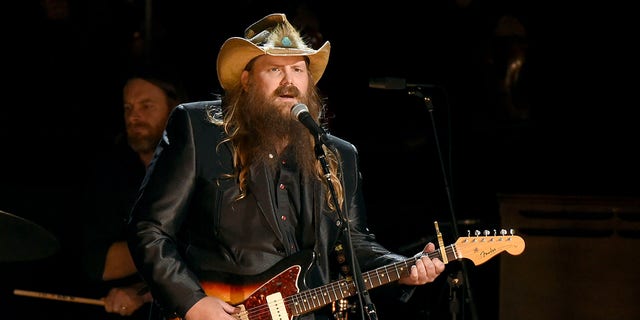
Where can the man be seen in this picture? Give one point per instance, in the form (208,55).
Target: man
(237,190)
(148,98)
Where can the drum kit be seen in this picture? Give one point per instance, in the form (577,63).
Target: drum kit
(22,240)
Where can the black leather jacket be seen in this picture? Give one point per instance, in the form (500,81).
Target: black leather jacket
(184,227)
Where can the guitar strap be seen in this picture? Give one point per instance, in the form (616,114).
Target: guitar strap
(340,308)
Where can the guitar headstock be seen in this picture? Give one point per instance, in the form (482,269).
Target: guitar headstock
(481,248)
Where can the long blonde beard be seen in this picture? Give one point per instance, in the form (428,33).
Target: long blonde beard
(264,126)
(235,125)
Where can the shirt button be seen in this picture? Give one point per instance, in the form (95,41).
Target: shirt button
(284,218)
(284,162)
(270,155)
(282,187)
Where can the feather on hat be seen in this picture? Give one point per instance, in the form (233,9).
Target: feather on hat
(272,35)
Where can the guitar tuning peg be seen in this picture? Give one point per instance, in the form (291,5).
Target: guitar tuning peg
(503,232)
(477,233)
(468,233)
(486,232)
(512,232)
(495,233)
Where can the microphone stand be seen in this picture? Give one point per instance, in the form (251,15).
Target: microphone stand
(454,283)
(363,294)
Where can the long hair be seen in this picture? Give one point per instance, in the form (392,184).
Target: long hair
(241,159)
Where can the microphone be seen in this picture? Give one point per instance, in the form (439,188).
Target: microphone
(391,83)
(301,112)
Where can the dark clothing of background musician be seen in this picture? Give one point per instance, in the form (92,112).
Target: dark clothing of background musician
(117,181)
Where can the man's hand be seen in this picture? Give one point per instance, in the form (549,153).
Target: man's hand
(425,270)
(125,300)
(211,308)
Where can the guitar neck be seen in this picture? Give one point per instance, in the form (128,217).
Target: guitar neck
(395,271)
(316,298)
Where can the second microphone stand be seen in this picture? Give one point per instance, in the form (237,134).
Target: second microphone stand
(454,281)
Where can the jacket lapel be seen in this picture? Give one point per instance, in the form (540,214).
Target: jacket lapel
(262,189)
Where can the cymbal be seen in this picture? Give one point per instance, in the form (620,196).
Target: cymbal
(22,240)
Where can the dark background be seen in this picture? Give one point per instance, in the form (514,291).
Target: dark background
(565,127)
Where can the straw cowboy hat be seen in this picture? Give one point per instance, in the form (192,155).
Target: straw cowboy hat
(272,35)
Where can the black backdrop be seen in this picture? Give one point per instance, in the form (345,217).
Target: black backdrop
(572,130)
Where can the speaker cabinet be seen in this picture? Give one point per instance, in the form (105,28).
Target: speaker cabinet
(581,258)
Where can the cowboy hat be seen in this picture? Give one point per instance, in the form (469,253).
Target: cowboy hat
(272,35)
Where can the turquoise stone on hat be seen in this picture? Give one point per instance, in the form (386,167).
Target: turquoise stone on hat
(286,41)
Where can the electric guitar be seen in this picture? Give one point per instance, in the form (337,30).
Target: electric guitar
(275,295)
